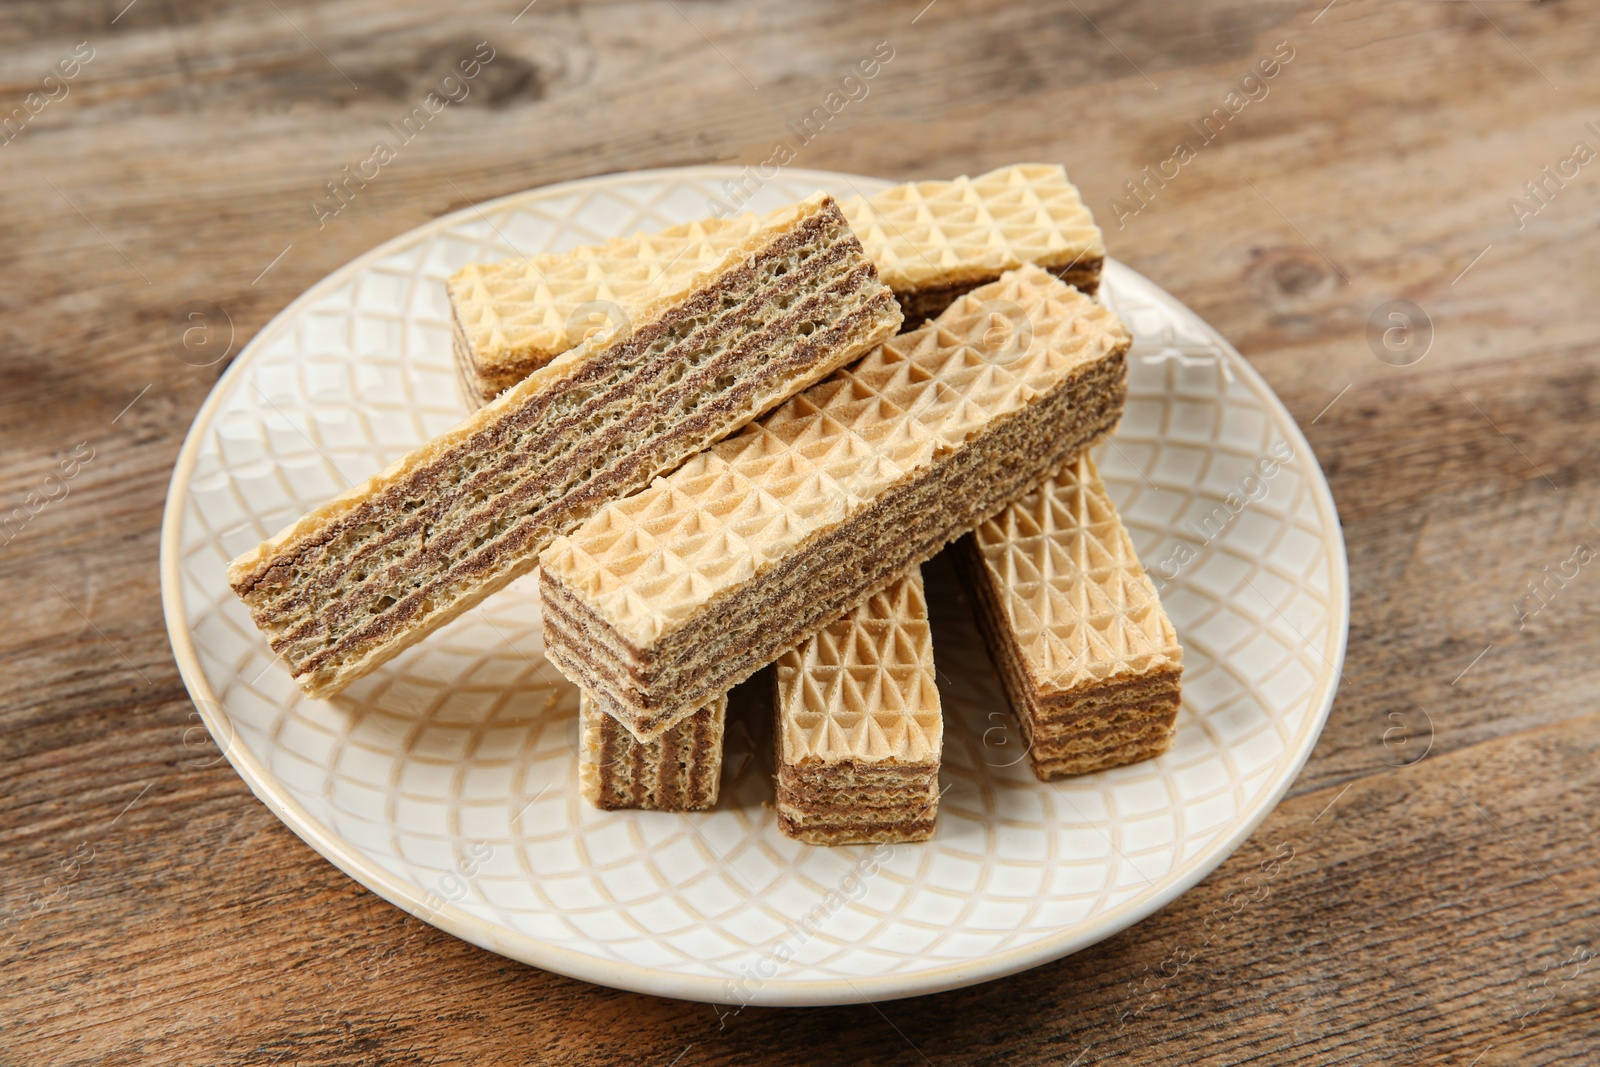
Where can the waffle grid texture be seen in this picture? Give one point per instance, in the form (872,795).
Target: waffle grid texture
(858,727)
(942,237)
(930,240)
(1089,659)
(663,600)
(382,565)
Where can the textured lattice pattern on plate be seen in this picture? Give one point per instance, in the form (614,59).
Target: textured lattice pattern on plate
(1075,598)
(651,561)
(863,689)
(457,757)
(513,316)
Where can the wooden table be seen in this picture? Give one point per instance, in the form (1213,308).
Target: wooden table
(1443,906)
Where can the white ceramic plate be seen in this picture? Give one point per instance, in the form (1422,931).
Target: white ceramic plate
(447,782)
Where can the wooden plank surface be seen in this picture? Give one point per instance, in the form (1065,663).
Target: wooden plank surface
(1443,911)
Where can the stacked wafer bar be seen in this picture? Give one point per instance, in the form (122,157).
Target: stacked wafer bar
(1089,659)
(679,771)
(935,239)
(662,601)
(509,319)
(932,241)
(356,581)
(858,727)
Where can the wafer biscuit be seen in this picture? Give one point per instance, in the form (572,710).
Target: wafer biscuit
(932,241)
(679,771)
(509,319)
(363,577)
(1089,659)
(859,731)
(660,602)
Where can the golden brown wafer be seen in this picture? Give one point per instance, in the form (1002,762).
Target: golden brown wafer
(361,578)
(859,730)
(932,241)
(1089,659)
(663,601)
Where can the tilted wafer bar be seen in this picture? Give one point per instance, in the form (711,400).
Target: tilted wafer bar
(662,601)
(932,241)
(679,771)
(1089,659)
(509,319)
(859,732)
(363,577)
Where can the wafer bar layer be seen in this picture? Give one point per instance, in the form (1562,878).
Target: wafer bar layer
(661,602)
(932,241)
(679,771)
(363,577)
(509,319)
(859,731)
(1089,659)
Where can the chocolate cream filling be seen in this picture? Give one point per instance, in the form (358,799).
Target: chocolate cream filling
(676,773)
(844,832)
(929,301)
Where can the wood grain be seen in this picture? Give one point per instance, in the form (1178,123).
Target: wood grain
(153,911)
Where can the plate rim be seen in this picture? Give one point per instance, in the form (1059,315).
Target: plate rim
(639,978)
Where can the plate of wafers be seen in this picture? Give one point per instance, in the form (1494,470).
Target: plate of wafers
(803,592)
